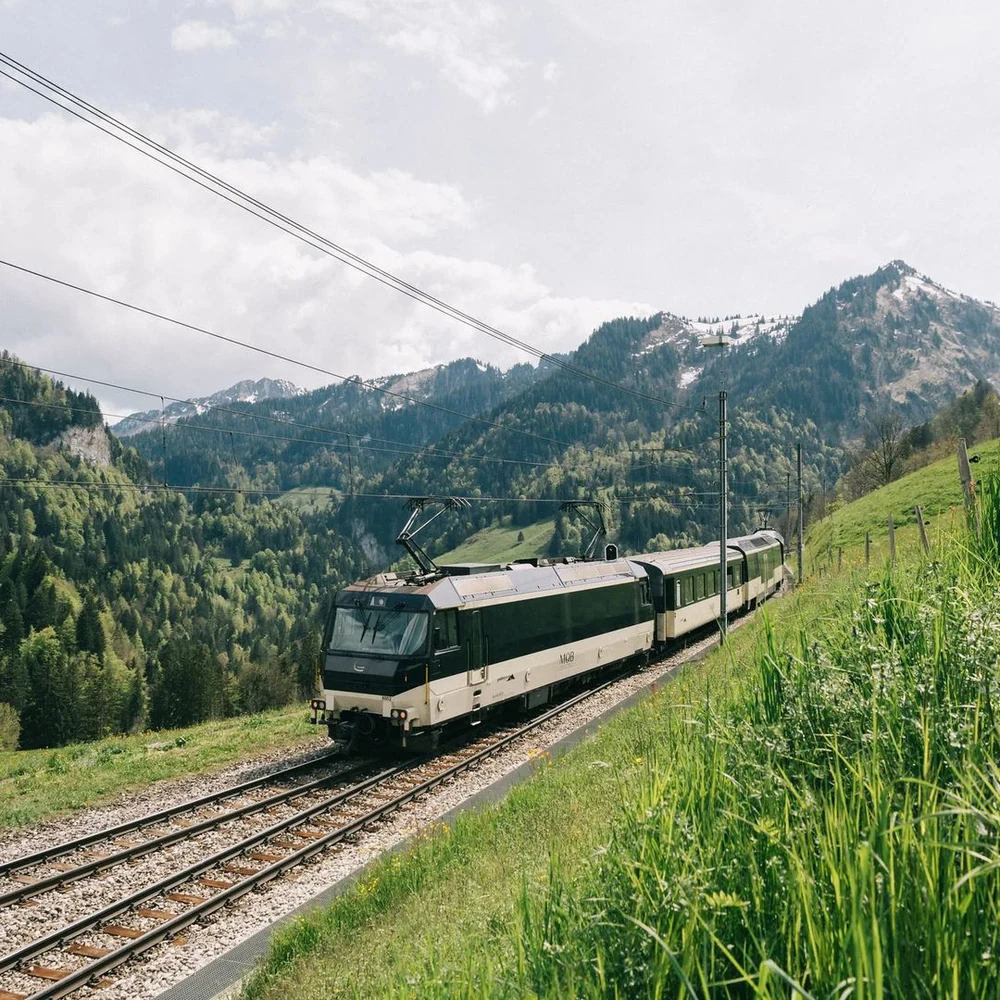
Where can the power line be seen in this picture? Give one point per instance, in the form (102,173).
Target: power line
(279,357)
(280,221)
(270,418)
(165,488)
(429,451)
(426,452)
(361,438)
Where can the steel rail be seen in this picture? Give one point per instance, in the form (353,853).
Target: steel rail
(81,977)
(151,819)
(104,862)
(92,921)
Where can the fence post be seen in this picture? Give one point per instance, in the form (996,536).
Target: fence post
(868,548)
(840,557)
(923,530)
(892,541)
(965,472)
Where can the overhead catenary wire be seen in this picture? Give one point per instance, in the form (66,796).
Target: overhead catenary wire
(428,451)
(280,357)
(325,492)
(216,407)
(681,493)
(360,441)
(235,196)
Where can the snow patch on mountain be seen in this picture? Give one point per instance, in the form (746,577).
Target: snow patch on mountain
(685,336)
(247,391)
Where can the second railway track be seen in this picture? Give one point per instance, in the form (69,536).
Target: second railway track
(86,949)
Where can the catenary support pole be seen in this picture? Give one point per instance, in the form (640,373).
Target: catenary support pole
(799,577)
(723,518)
(788,504)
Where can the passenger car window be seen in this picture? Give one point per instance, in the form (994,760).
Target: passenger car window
(446,630)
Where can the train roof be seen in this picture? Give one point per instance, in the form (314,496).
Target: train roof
(464,587)
(678,560)
(706,556)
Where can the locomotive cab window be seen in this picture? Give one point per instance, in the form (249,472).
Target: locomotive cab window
(446,630)
(379,631)
(644,592)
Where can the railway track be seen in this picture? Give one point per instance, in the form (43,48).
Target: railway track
(181,816)
(84,951)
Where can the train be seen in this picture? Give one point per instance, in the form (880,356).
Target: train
(406,656)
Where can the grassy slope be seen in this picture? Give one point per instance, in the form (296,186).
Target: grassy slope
(501,544)
(416,918)
(36,785)
(820,811)
(936,489)
(307,499)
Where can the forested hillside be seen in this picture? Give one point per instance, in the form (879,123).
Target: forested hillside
(184,572)
(125,605)
(893,342)
(331,437)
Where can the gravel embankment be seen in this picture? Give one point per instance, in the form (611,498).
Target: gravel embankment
(167,964)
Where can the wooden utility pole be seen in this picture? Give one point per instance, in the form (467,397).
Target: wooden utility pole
(892,541)
(923,529)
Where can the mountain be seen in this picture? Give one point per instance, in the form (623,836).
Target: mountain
(329,437)
(247,391)
(894,340)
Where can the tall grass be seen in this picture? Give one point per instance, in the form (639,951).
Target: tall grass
(833,831)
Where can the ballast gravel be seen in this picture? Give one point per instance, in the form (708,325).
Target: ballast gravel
(169,963)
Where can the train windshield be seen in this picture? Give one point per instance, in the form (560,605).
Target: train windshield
(380,631)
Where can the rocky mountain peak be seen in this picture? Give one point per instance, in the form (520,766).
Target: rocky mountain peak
(245,391)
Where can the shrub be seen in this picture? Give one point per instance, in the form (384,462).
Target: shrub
(10,727)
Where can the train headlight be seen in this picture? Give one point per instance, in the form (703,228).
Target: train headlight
(394,714)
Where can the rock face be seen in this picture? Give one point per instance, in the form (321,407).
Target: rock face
(89,443)
(935,342)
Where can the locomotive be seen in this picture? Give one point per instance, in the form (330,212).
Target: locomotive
(407,655)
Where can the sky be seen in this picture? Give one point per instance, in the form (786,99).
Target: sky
(543,166)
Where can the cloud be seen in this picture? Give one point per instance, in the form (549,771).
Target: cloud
(193,36)
(464,42)
(551,71)
(92,213)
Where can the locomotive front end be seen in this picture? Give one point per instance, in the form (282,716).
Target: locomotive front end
(375,665)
